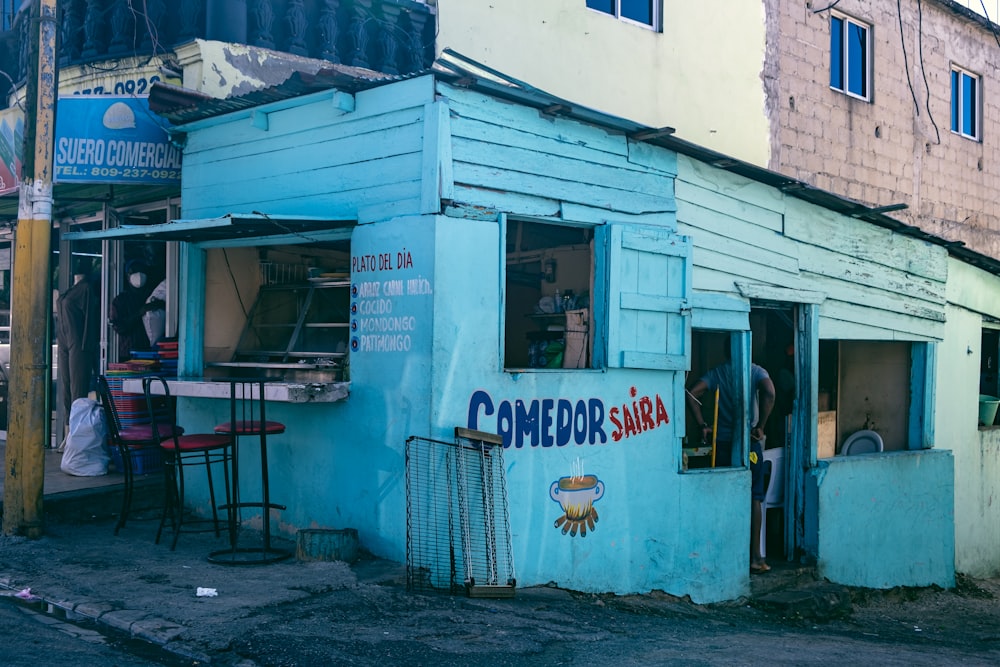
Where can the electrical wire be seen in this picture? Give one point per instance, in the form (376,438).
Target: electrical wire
(13,90)
(990,21)
(906,60)
(829,6)
(285,228)
(236,287)
(923,68)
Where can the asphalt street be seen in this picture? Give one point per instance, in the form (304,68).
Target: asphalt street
(334,613)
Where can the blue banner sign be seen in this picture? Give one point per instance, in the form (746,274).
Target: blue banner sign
(102,139)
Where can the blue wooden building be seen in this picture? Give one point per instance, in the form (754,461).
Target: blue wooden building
(495,258)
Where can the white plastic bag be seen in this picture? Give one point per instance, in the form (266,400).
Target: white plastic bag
(155,320)
(86,453)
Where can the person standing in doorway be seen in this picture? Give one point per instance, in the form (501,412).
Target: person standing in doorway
(761,403)
(127,310)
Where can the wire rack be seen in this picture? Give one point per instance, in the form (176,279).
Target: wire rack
(457,518)
(277,273)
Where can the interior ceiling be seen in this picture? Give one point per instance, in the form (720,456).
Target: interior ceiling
(73,200)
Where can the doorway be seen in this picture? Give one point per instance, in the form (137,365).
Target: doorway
(772,331)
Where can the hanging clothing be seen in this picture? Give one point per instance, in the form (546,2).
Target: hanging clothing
(79,336)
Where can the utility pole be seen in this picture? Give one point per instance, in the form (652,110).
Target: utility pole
(31,296)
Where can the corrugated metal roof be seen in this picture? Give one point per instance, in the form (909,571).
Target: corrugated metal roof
(180,106)
(226,227)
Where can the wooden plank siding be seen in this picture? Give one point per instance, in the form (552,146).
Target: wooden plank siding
(510,157)
(363,165)
(822,228)
(878,284)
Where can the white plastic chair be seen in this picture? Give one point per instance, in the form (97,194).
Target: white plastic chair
(774,494)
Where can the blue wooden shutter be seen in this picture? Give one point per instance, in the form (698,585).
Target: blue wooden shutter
(649,284)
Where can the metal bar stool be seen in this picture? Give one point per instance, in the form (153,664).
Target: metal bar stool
(184,451)
(137,439)
(247,418)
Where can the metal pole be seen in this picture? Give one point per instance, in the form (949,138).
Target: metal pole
(31,298)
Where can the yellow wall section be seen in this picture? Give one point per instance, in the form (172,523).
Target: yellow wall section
(701,75)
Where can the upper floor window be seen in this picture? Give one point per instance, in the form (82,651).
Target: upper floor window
(965,103)
(7,10)
(646,12)
(850,56)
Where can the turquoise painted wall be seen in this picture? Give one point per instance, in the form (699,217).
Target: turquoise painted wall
(870,284)
(886,520)
(657,528)
(342,465)
(312,158)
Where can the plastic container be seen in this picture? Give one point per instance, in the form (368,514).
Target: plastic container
(988,409)
(144,461)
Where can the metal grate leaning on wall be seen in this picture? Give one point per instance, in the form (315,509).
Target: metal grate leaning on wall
(457,520)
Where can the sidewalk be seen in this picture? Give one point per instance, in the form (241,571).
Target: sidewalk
(131,584)
(281,612)
(80,570)
(82,498)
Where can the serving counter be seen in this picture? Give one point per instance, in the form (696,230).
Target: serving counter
(285,392)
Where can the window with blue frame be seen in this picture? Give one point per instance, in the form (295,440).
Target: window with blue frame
(989,377)
(881,386)
(8,8)
(549,274)
(850,56)
(557,310)
(965,97)
(645,12)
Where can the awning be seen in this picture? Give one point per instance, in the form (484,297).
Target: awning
(230,229)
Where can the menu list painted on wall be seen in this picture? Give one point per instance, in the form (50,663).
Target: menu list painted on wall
(377,321)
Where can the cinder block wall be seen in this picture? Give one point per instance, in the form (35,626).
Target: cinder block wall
(897,148)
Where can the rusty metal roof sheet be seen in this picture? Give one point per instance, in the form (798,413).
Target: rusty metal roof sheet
(182,105)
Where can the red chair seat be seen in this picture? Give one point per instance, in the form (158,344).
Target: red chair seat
(196,442)
(144,432)
(251,428)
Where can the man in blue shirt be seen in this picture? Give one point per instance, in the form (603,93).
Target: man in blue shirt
(761,402)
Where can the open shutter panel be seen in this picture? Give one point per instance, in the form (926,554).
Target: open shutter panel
(649,322)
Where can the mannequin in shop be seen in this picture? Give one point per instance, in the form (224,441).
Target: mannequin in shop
(127,310)
(78,333)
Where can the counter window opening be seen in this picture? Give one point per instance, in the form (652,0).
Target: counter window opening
(282,311)
(884,387)
(713,389)
(989,378)
(549,283)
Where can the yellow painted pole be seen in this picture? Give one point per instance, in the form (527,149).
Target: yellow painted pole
(31,297)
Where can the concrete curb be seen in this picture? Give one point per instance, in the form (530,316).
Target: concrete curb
(136,623)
